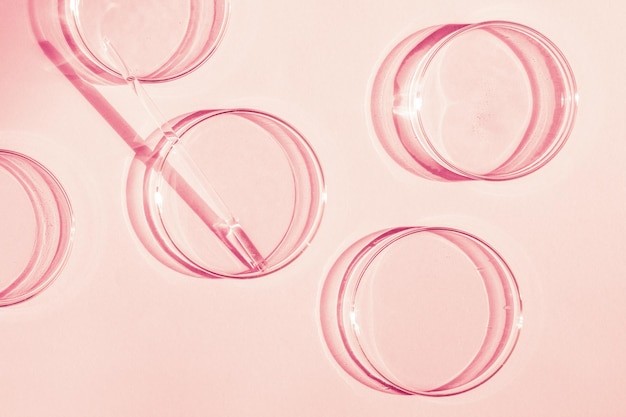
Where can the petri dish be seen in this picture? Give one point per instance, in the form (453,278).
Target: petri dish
(491,101)
(428,311)
(37,227)
(240,195)
(159,40)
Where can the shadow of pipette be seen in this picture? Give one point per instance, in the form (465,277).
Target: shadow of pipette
(186,179)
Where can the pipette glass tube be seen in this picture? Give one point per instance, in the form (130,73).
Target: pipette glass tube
(221,220)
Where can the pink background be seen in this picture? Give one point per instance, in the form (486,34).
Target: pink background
(120,334)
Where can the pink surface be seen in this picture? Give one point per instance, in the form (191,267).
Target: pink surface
(120,333)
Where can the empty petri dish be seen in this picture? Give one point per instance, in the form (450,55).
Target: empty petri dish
(240,195)
(159,40)
(421,310)
(493,101)
(37,227)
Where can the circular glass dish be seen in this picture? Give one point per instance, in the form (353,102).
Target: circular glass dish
(493,101)
(37,227)
(159,40)
(421,310)
(239,196)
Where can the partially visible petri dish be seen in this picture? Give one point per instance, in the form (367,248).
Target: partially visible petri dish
(159,40)
(240,195)
(430,311)
(37,228)
(487,101)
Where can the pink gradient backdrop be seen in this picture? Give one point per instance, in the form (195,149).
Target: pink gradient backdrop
(120,334)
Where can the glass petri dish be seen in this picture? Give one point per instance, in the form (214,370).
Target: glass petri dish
(421,310)
(240,195)
(491,101)
(159,40)
(37,227)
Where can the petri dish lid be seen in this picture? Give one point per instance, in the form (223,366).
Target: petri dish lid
(487,101)
(239,196)
(37,227)
(509,110)
(159,40)
(421,310)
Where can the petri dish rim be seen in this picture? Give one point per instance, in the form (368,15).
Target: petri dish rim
(349,288)
(76,34)
(556,143)
(50,270)
(316,176)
